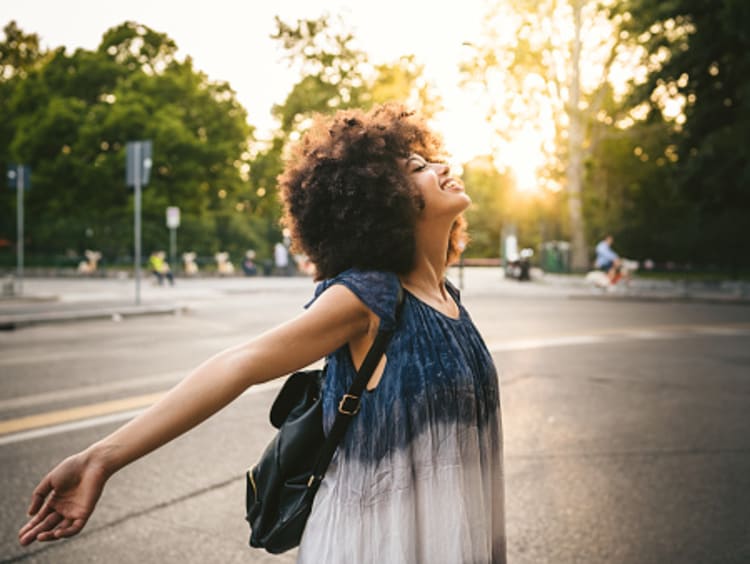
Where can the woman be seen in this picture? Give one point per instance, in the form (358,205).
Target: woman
(418,477)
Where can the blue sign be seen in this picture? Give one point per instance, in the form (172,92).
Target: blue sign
(14,170)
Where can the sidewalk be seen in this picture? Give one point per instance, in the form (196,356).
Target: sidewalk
(55,300)
(645,289)
(52,300)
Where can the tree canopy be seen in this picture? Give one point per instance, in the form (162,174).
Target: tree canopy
(70,118)
(657,128)
(624,117)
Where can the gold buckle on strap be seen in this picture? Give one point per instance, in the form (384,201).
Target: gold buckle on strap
(349,404)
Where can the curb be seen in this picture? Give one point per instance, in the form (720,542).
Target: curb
(28,299)
(11,322)
(685,299)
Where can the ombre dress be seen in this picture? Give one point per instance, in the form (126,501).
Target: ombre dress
(418,477)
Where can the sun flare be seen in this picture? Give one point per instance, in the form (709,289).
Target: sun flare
(524,157)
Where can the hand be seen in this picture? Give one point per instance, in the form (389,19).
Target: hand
(64,500)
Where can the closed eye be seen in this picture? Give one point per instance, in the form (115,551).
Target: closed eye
(420,165)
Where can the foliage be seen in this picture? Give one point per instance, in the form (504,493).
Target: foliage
(544,67)
(665,154)
(692,198)
(72,115)
(497,205)
(334,74)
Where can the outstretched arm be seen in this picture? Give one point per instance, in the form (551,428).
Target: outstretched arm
(65,498)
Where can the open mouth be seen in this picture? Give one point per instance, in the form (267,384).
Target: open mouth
(452,185)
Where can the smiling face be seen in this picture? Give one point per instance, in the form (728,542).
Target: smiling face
(443,195)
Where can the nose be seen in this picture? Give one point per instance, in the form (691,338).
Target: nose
(443,169)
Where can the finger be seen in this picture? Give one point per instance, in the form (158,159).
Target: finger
(41,513)
(39,494)
(47,524)
(43,520)
(36,503)
(33,522)
(53,534)
(66,528)
(70,530)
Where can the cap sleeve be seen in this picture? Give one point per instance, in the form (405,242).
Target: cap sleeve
(377,290)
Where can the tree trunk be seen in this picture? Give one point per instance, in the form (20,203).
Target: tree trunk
(574,172)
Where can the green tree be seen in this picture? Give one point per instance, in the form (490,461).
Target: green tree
(74,115)
(20,54)
(324,52)
(696,53)
(403,81)
(531,62)
(496,204)
(334,74)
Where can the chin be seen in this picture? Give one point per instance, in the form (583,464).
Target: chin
(466,201)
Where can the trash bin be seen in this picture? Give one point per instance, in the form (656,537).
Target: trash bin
(555,256)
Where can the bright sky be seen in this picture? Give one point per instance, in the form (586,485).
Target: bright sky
(229,40)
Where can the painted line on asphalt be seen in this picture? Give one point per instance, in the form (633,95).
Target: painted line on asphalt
(616,336)
(526,344)
(61,421)
(63,426)
(22,356)
(86,391)
(77,413)
(72,426)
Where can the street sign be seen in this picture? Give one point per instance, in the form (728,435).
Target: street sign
(137,171)
(138,155)
(14,170)
(19,178)
(173,217)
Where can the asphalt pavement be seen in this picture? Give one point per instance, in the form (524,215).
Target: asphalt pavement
(56,300)
(625,419)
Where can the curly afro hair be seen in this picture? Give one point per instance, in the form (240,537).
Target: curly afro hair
(347,201)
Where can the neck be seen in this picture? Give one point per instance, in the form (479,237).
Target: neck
(429,269)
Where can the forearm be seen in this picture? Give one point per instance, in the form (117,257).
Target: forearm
(209,388)
(222,378)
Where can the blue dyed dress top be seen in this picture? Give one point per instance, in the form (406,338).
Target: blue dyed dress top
(419,476)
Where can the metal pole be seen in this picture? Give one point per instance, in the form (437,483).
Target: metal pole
(172,248)
(137,188)
(19,220)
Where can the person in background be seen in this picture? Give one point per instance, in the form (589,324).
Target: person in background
(160,267)
(248,265)
(606,259)
(281,258)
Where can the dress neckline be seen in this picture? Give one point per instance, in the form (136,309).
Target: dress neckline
(437,311)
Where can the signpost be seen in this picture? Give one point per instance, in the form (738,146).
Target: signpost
(19,178)
(173,222)
(137,174)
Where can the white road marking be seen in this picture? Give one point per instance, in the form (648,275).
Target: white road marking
(668,332)
(110,418)
(526,344)
(24,357)
(72,426)
(85,391)
(671,332)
